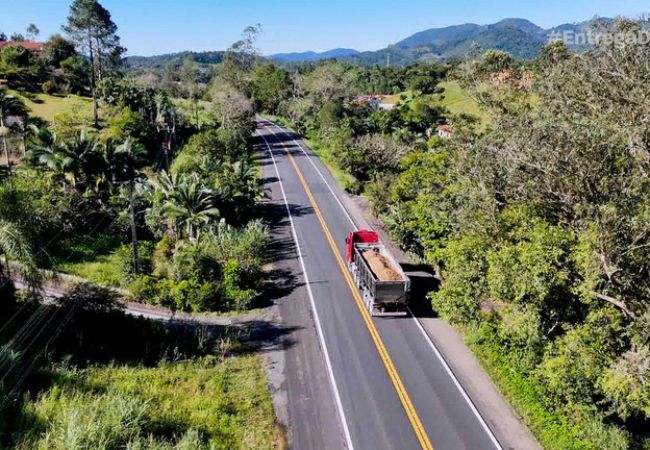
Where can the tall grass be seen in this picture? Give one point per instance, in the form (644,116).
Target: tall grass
(202,404)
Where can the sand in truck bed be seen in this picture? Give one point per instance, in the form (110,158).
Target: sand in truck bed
(380,266)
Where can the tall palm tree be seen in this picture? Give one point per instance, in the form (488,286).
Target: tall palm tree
(9,105)
(123,164)
(190,204)
(166,121)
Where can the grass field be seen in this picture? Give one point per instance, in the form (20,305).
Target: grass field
(198,404)
(92,258)
(47,106)
(457,101)
(454,98)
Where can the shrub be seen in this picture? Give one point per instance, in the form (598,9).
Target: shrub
(124,257)
(236,297)
(49,87)
(80,421)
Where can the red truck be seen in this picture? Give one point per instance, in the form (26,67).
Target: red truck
(383,284)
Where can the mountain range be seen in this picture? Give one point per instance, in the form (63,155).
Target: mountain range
(313,56)
(519,37)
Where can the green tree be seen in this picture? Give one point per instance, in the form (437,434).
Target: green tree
(57,49)
(9,105)
(188,204)
(124,162)
(91,27)
(32,32)
(271,86)
(191,79)
(74,71)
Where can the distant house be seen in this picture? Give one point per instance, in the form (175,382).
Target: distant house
(501,78)
(374,100)
(34,47)
(445,131)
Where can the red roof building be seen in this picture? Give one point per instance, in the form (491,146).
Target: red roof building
(445,131)
(34,47)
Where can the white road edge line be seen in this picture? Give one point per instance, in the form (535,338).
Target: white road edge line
(321,337)
(469,401)
(345,211)
(453,377)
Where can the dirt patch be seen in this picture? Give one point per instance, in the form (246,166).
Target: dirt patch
(381,266)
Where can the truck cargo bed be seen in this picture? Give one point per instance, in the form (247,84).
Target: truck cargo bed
(383,283)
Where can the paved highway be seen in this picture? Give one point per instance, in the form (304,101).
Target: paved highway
(387,383)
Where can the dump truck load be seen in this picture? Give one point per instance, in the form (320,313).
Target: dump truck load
(381,266)
(383,285)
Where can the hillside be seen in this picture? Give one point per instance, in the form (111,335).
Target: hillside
(312,56)
(137,63)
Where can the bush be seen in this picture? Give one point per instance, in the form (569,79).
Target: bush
(197,405)
(124,257)
(184,295)
(49,87)
(236,297)
(79,421)
(550,422)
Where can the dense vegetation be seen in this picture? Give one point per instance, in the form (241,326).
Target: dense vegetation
(149,188)
(109,381)
(535,221)
(174,187)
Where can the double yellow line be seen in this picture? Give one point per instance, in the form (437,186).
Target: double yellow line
(420,433)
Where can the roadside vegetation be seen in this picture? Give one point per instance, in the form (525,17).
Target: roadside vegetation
(148,386)
(150,192)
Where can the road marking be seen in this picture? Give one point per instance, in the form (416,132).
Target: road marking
(319,330)
(420,432)
(433,346)
(336,197)
(453,377)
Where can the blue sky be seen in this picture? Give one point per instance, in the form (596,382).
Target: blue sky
(150,27)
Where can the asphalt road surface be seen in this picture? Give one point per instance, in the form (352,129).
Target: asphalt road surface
(375,383)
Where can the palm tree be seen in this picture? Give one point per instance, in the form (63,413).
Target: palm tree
(9,105)
(166,121)
(16,248)
(237,188)
(69,159)
(188,203)
(123,162)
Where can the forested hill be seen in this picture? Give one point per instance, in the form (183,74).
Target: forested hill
(159,61)
(519,37)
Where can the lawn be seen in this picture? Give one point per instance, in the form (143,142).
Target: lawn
(92,258)
(47,106)
(456,100)
(198,404)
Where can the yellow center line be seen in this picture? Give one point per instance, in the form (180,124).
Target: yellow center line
(412,415)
